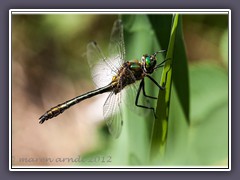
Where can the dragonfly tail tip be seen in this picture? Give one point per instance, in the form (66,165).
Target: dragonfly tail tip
(42,119)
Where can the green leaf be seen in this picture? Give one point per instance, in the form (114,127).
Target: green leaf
(180,72)
(145,34)
(159,133)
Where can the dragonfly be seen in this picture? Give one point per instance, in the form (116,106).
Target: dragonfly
(112,75)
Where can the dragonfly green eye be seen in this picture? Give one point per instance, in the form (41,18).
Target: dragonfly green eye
(148,61)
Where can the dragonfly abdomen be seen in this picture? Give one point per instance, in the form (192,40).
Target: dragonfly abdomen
(55,111)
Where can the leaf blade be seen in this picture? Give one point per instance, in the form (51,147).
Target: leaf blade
(159,133)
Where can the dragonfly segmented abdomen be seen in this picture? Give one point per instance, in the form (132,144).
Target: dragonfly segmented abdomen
(55,111)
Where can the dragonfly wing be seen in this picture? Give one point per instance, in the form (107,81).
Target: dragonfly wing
(112,114)
(102,71)
(103,68)
(116,45)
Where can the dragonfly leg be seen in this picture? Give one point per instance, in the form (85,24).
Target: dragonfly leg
(137,98)
(155,82)
(144,92)
(162,63)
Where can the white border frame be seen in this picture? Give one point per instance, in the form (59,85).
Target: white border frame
(119,11)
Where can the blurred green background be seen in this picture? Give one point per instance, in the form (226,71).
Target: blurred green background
(49,66)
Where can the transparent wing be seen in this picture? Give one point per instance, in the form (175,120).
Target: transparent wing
(102,69)
(116,46)
(112,114)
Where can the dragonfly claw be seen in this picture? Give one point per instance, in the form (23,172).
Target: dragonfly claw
(43,118)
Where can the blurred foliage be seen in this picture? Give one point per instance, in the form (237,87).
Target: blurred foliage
(52,47)
(205,141)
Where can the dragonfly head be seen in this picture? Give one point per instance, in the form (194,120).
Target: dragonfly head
(148,63)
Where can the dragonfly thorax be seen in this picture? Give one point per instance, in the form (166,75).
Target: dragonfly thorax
(129,73)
